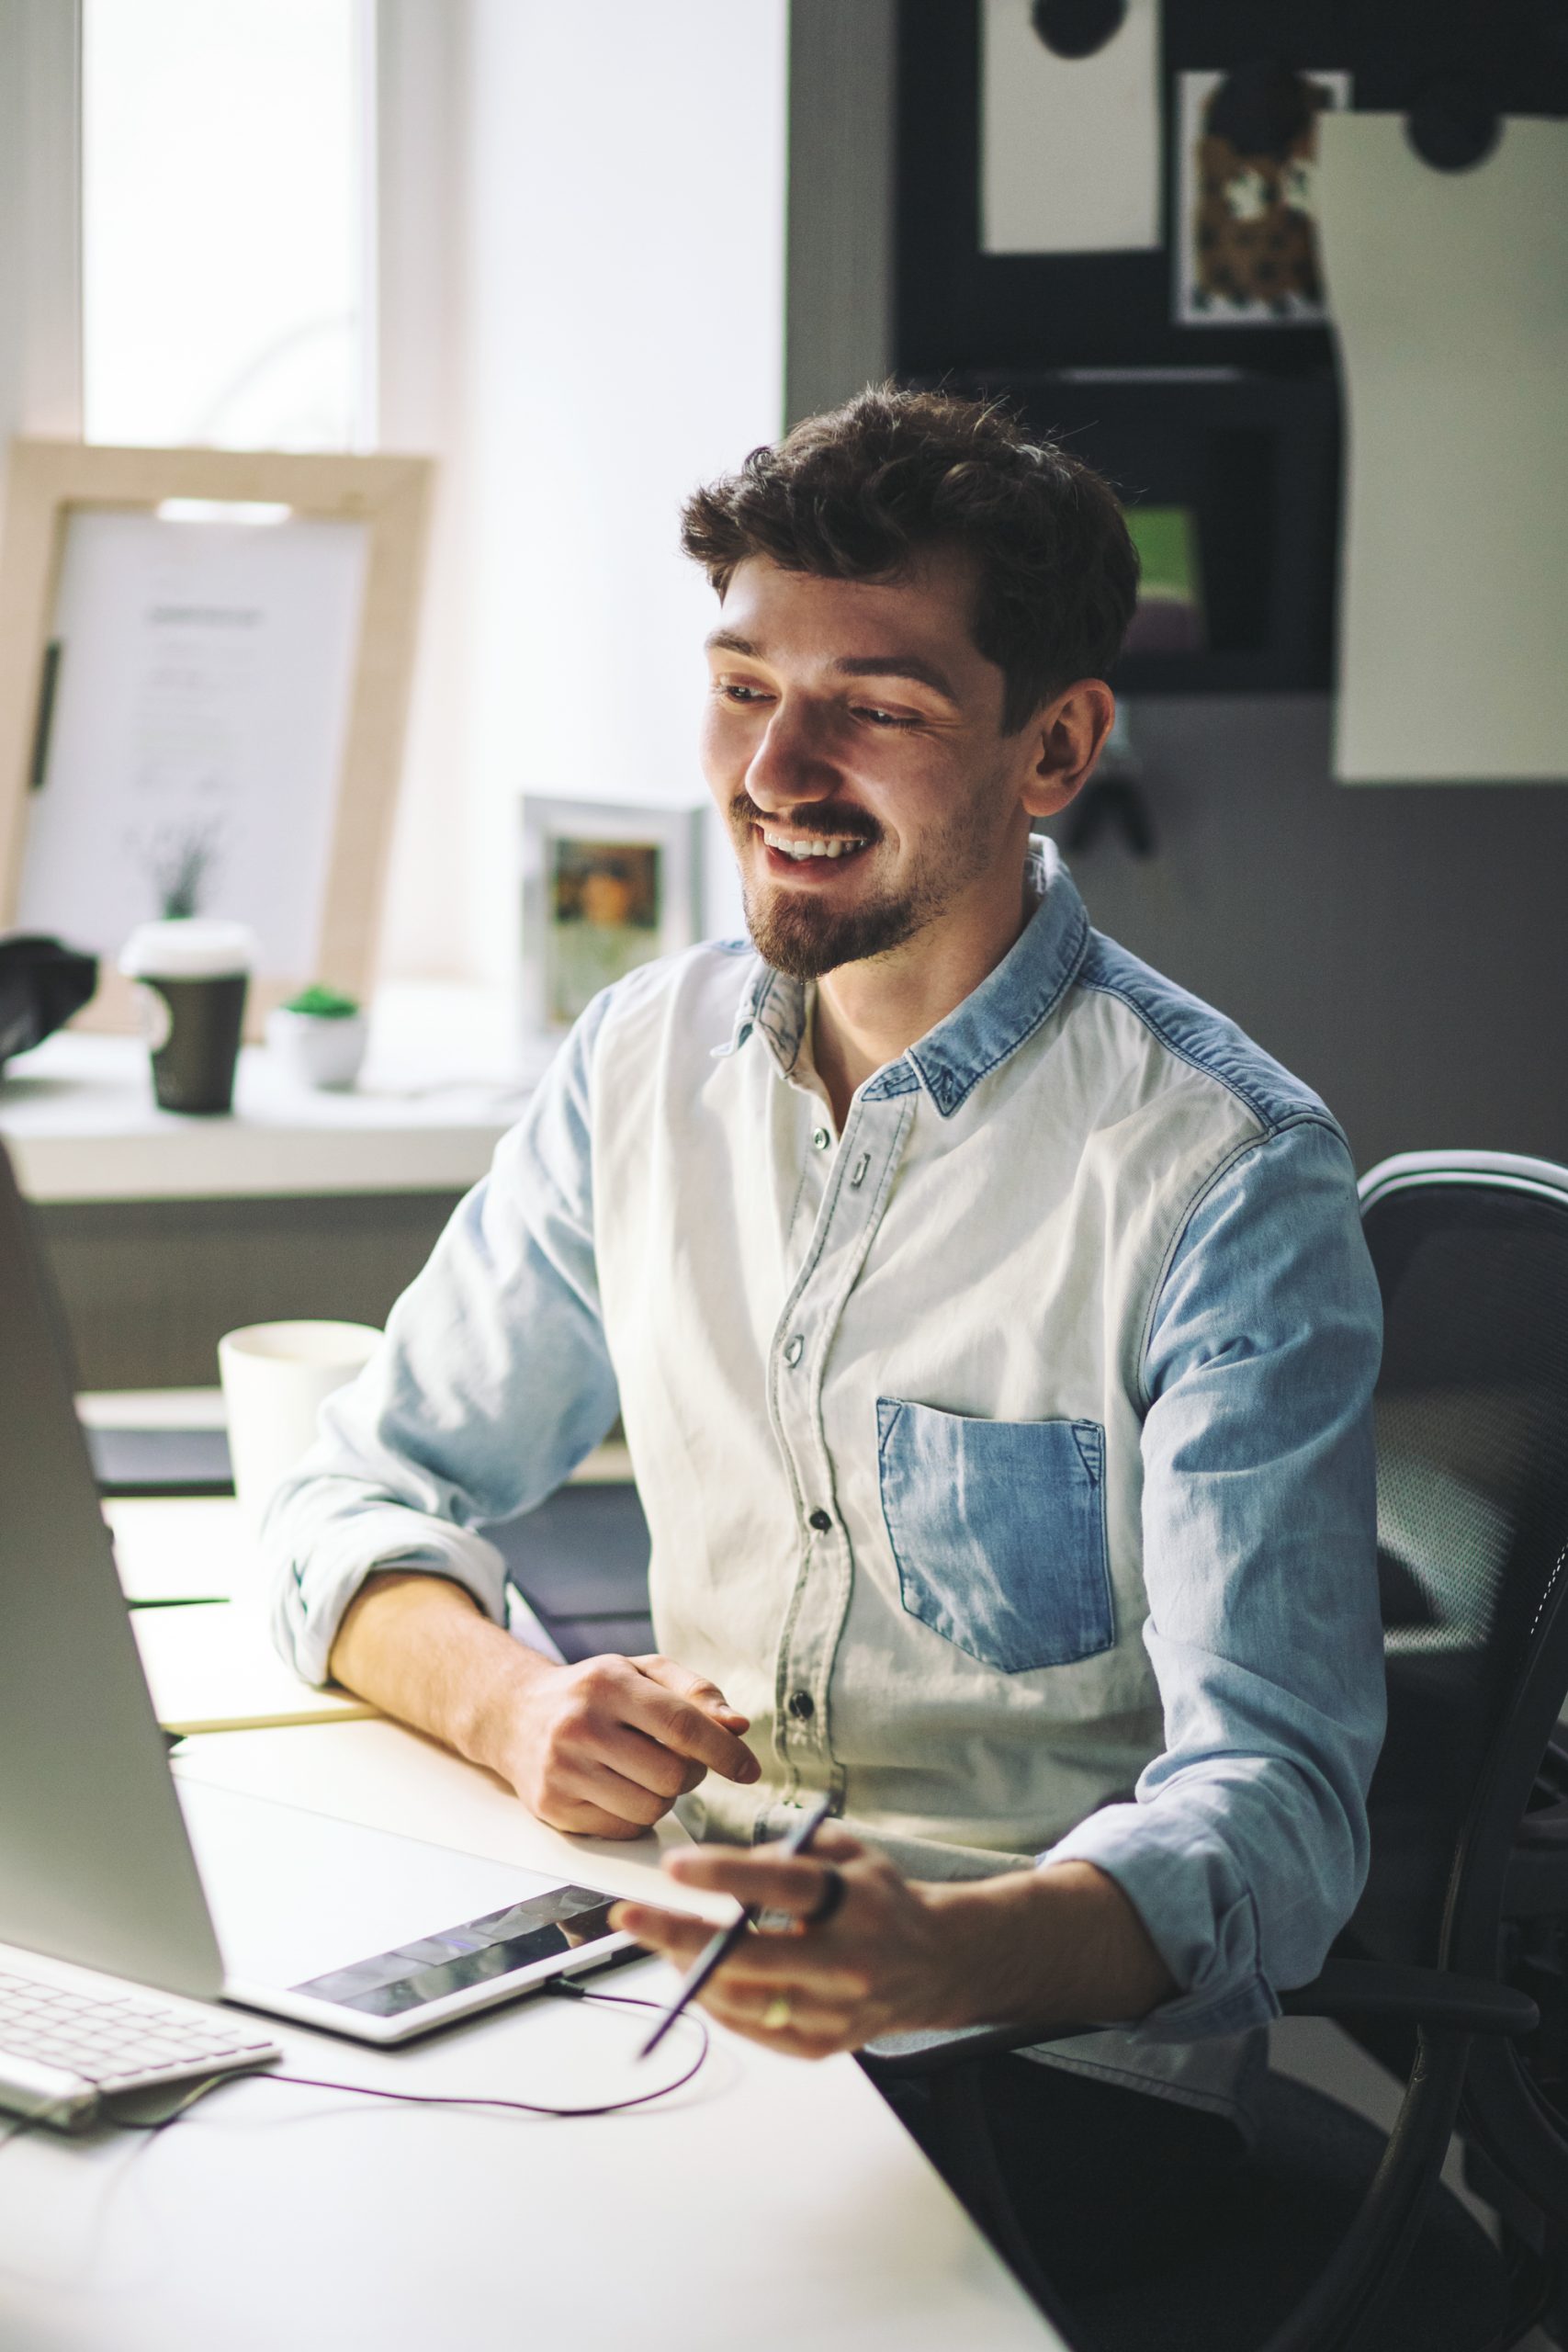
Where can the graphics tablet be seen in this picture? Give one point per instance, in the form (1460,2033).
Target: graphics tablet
(374,1936)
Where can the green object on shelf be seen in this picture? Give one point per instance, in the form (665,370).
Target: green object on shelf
(326,1004)
(1166,542)
(1169,616)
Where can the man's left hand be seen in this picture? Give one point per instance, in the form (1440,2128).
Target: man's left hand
(882,1962)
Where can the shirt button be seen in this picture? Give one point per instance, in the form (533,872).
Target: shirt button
(802,1706)
(793,1350)
(821,1139)
(821,1521)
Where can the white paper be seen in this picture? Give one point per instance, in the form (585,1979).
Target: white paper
(1069,147)
(201,705)
(1450,294)
(183,1548)
(210,1666)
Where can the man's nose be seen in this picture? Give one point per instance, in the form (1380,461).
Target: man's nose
(791,762)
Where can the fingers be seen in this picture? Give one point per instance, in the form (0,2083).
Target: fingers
(612,1697)
(611,1741)
(826,2003)
(589,1786)
(795,1884)
(814,2029)
(694,1687)
(580,1817)
(647,1763)
(682,1724)
(760,1968)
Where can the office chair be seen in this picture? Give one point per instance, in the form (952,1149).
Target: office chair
(1337,2242)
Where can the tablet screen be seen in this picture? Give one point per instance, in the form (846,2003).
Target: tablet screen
(392,1983)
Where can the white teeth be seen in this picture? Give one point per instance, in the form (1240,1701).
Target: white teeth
(815,846)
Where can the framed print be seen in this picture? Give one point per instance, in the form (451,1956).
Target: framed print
(1243,234)
(205,660)
(604,889)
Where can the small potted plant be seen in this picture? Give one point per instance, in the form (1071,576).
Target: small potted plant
(320,1036)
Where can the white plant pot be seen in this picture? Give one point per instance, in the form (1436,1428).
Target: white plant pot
(319,1050)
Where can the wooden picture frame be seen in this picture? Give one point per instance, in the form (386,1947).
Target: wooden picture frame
(51,482)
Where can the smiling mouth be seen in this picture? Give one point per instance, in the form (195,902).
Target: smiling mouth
(802,848)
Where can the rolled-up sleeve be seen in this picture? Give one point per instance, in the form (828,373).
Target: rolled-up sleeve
(492,1382)
(1245,1847)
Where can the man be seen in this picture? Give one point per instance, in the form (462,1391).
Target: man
(994,1340)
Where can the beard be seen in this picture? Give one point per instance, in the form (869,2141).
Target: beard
(804,939)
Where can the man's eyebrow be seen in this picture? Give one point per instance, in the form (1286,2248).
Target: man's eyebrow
(913,666)
(897,665)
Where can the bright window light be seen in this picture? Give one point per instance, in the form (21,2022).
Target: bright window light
(227,227)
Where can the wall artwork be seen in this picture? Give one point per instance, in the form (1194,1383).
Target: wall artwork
(604,889)
(1243,234)
(1069,147)
(207,655)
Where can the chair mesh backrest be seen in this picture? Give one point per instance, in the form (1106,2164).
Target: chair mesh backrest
(1473,1510)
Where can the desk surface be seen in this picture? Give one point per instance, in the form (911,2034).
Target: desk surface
(442,1084)
(768,2201)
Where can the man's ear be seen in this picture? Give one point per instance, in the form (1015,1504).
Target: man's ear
(1066,738)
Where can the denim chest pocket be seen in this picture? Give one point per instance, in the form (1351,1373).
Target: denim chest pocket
(998,1532)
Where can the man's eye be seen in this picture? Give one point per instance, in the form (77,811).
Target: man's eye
(732,691)
(886,717)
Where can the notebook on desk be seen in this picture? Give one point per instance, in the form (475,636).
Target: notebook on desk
(368,1933)
(211,1668)
(187,1548)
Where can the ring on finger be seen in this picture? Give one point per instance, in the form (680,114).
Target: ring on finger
(779,2015)
(828,1902)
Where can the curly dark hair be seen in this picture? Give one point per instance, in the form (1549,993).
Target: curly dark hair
(856,493)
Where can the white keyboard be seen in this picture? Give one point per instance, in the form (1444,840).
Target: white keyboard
(69,2040)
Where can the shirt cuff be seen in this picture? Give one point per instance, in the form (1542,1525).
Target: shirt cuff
(310,1600)
(1198,1909)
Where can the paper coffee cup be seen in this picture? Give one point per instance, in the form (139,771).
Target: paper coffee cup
(275,1377)
(194,973)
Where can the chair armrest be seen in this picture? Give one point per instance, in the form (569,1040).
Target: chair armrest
(964,2050)
(1367,1988)
(1430,1997)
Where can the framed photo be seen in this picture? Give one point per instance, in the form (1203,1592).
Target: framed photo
(1244,236)
(604,889)
(205,661)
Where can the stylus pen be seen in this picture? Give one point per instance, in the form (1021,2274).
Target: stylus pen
(718,1948)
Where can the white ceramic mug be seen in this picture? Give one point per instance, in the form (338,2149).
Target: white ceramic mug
(275,1377)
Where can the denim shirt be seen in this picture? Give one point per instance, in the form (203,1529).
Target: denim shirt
(1007,1456)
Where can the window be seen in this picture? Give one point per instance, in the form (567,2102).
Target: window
(228,222)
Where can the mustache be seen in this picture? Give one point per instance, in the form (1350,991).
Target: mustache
(802,822)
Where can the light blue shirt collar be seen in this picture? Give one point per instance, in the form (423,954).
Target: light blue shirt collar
(1008,1005)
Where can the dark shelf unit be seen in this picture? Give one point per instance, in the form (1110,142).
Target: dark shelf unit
(1256,460)
(1241,423)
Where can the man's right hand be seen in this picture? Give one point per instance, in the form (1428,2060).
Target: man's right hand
(602,1749)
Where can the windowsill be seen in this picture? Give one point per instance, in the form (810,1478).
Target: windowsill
(442,1081)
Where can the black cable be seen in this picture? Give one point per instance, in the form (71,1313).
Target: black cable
(563,1986)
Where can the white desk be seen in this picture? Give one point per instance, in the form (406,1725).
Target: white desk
(770,2202)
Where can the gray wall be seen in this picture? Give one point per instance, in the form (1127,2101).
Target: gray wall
(148,1287)
(838,231)
(1401,948)
(40,219)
